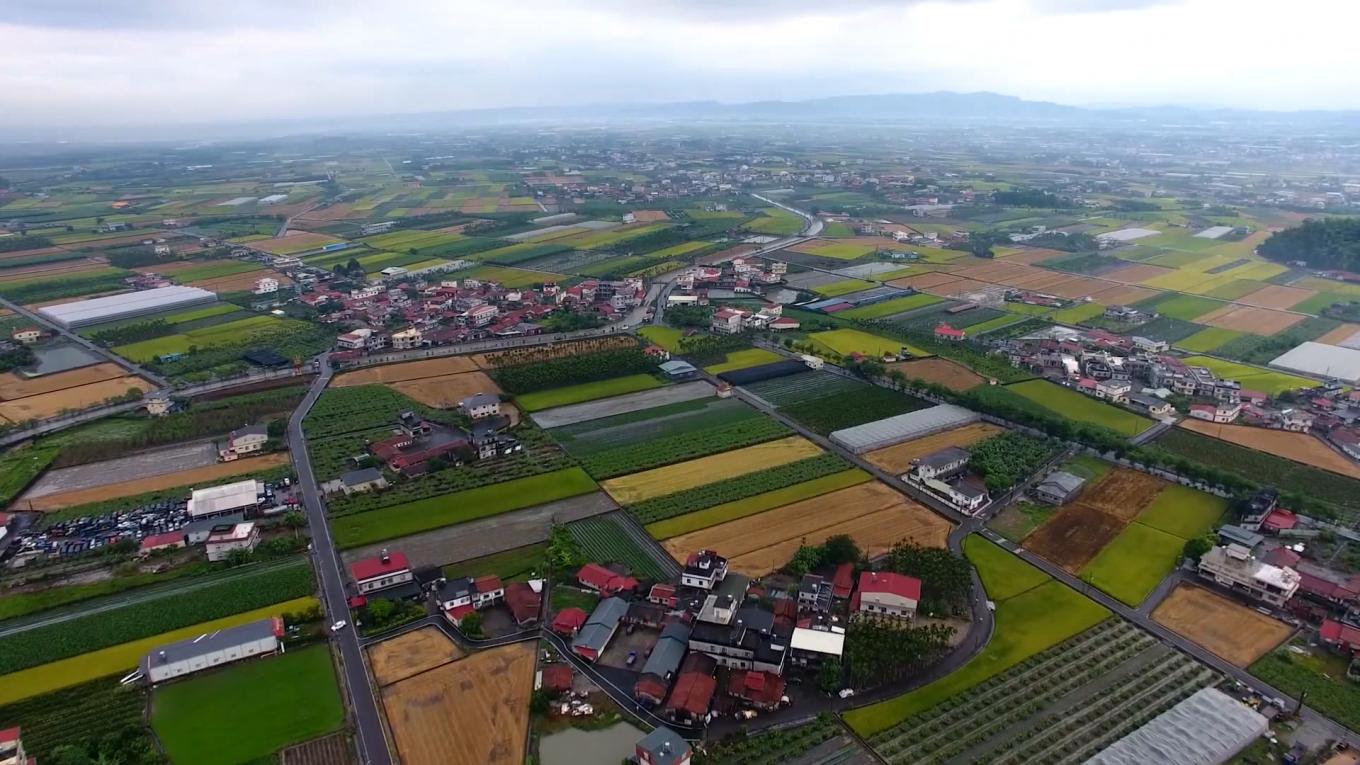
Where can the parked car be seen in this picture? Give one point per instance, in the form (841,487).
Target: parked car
(339,625)
(632,657)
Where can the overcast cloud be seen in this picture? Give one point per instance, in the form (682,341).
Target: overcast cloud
(68,62)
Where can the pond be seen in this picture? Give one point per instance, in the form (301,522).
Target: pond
(59,357)
(589,747)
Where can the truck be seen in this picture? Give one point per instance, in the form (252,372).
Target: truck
(813,362)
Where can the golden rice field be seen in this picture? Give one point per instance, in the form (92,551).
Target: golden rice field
(717,467)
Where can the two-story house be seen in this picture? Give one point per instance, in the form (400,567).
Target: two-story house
(242,441)
(460,597)
(704,570)
(386,570)
(884,594)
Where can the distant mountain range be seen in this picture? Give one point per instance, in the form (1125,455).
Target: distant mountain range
(941,107)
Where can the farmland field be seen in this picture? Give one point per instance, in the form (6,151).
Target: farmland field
(1207,339)
(89,711)
(950,374)
(1168,329)
(590,391)
(204,337)
(842,287)
(1134,563)
(666,337)
(802,386)
(1252,378)
(372,526)
(587,437)
(1079,407)
(1234,632)
(626,409)
(875,515)
(447,391)
(1027,622)
(270,703)
(672,478)
(208,474)
(1078,313)
(1299,447)
(1183,512)
(45,405)
(1298,668)
(398,658)
(473,711)
(898,458)
(602,539)
(511,277)
(750,357)
(844,342)
(124,656)
(1183,307)
(410,370)
(775,222)
(844,410)
(1262,468)
(890,307)
(1074,535)
(693,520)
(678,447)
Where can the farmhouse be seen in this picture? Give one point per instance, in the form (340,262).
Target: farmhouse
(172,540)
(386,570)
(480,405)
(810,647)
(746,638)
(247,440)
(595,577)
(242,496)
(524,601)
(886,594)
(943,473)
(761,690)
(240,536)
(1221,413)
(814,595)
(1058,487)
(460,597)
(26,335)
(693,692)
(949,334)
(662,664)
(599,629)
(704,570)
(364,479)
(1343,637)
(663,746)
(1234,567)
(211,650)
(569,621)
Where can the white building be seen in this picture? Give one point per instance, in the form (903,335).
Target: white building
(386,570)
(241,441)
(241,536)
(1234,566)
(480,405)
(225,499)
(212,650)
(407,339)
(266,286)
(886,594)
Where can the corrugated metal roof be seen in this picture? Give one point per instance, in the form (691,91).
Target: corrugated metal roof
(1210,727)
(1322,359)
(112,306)
(903,427)
(209,642)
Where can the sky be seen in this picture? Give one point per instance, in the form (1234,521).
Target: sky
(124,62)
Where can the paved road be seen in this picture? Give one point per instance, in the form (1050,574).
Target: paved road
(367,719)
(95,348)
(814,224)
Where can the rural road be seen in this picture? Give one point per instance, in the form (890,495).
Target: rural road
(370,740)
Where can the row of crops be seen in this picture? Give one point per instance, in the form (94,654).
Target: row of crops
(364,407)
(603,540)
(776,747)
(44,644)
(738,488)
(685,446)
(86,712)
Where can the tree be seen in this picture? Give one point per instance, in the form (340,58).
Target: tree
(294,520)
(829,676)
(539,701)
(69,754)
(276,428)
(838,549)
(1197,547)
(353,268)
(804,560)
(471,626)
(563,554)
(238,557)
(379,611)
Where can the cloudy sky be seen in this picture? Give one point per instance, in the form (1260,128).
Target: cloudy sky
(110,62)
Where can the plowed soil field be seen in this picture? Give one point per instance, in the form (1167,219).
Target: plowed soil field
(411,370)
(1258,321)
(410,654)
(876,517)
(445,391)
(1079,531)
(46,405)
(13,386)
(1122,493)
(1234,632)
(474,711)
(897,458)
(686,475)
(1276,296)
(943,371)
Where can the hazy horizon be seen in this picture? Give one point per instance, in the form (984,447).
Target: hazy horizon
(167,62)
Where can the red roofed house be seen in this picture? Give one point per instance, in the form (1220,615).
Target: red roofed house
(12,749)
(843,580)
(885,594)
(557,678)
(693,691)
(172,540)
(784,323)
(1343,593)
(568,621)
(600,579)
(1341,636)
(949,334)
(386,570)
(523,602)
(1279,520)
(762,690)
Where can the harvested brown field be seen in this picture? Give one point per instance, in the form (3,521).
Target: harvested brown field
(198,477)
(410,654)
(242,281)
(1124,295)
(897,459)
(650,216)
(553,351)
(334,212)
(1136,273)
(1258,321)
(327,750)
(13,386)
(873,514)
(1300,447)
(1122,493)
(474,711)
(926,281)
(291,242)
(1233,632)
(1340,335)
(1276,296)
(951,375)
(445,391)
(1073,536)
(1032,255)
(410,370)
(46,405)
